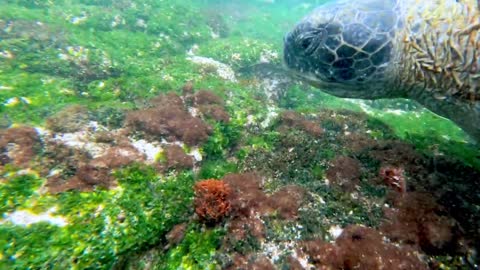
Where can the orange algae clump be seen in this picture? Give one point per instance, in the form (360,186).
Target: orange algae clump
(211,200)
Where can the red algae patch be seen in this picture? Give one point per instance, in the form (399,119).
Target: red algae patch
(176,158)
(250,203)
(345,173)
(216,112)
(169,119)
(361,248)
(250,262)
(18,146)
(249,199)
(287,201)
(211,200)
(205,97)
(395,153)
(417,220)
(80,172)
(291,119)
(86,179)
(394,178)
(210,105)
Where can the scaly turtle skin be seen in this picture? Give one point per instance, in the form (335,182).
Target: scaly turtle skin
(428,51)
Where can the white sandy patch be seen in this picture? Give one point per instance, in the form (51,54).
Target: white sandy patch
(25,218)
(150,149)
(223,71)
(81,140)
(335,231)
(271,115)
(195,153)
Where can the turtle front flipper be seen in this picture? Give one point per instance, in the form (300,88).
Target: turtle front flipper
(464,114)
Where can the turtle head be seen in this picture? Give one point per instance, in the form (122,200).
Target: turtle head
(345,47)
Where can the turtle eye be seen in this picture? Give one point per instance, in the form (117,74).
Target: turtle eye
(312,40)
(306,42)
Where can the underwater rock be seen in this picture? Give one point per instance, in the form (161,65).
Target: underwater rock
(271,79)
(218,24)
(70,119)
(35,31)
(208,64)
(77,169)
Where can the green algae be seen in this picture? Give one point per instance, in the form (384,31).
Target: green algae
(106,228)
(15,191)
(103,225)
(224,137)
(197,250)
(239,51)
(216,169)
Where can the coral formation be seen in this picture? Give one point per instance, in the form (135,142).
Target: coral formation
(211,200)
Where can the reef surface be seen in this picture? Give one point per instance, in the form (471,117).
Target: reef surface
(158,135)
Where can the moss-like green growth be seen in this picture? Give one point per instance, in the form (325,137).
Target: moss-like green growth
(196,251)
(103,226)
(311,100)
(239,51)
(224,138)
(15,191)
(216,169)
(293,157)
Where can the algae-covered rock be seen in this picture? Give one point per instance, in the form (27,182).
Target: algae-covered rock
(116,114)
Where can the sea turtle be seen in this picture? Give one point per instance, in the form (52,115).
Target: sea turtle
(428,51)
